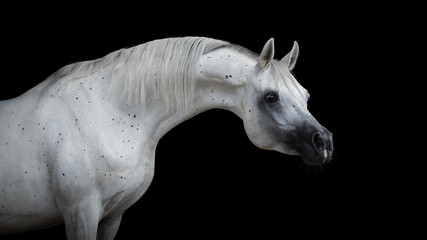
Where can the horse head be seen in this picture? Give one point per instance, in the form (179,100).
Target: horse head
(275,111)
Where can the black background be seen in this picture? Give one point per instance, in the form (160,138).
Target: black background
(210,181)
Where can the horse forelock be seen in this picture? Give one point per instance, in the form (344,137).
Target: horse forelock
(280,75)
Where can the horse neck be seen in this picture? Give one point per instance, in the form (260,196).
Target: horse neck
(222,78)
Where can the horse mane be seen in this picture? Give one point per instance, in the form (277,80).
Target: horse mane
(164,68)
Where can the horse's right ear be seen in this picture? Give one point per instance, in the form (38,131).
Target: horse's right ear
(267,53)
(291,58)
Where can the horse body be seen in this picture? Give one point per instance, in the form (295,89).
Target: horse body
(74,151)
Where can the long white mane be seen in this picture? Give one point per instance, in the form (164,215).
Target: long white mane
(162,68)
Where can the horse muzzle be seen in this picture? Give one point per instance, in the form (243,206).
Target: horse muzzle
(322,146)
(313,143)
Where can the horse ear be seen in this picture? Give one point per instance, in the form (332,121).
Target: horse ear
(267,53)
(291,58)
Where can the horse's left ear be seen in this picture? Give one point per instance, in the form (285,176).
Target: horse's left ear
(267,53)
(291,58)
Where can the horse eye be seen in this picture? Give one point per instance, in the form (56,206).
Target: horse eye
(271,97)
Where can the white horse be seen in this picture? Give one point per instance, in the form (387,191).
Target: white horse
(79,147)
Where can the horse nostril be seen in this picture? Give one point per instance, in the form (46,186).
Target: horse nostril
(318,142)
(322,144)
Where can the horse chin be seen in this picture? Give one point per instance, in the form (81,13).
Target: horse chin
(311,162)
(308,159)
(281,148)
(314,159)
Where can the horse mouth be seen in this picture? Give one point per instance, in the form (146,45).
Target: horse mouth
(318,161)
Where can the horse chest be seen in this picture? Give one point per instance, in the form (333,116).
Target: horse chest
(129,189)
(122,188)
